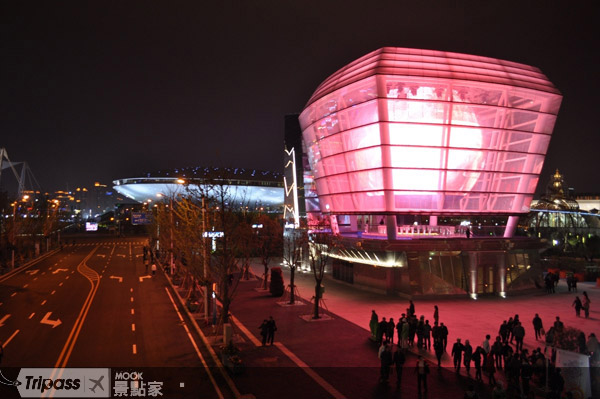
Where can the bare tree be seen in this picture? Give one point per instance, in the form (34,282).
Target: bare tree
(294,242)
(322,243)
(270,242)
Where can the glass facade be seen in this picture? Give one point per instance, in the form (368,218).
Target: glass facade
(419,131)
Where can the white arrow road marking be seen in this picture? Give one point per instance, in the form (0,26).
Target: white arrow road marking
(53,323)
(117,278)
(123,255)
(143,277)
(102,255)
(32,272)
(2,320)
(138,255)
(60,270)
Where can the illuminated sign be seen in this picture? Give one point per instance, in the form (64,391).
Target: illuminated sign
(91,226)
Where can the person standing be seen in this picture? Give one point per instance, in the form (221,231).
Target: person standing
(374,325)
(427,335)
(457,350)
(537,326)
(421,369)
(490,368)
(382,331)
(436,315)
(386,363)
(577,305)
(154,269)
(477,355)
(398,361)
(411,309)
(390,330)
(586,304)
(486,345)
(271,328)
(467,354)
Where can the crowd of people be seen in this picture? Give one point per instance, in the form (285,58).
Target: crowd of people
(504,353)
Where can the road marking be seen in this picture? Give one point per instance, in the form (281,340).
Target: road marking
(121,255)
(2,320)
(131,290)
(60,284)
(44,302)
(35,279)
(13,294)
(26,285)
(134,348)
(327,386)
(43,273)
(132,327)
(132,311)
(66,278)
(117,278)
(53,323)
(60,270)
(143,277)
(10,338)
(102,255)
(242,327)
(52,293)
(73,272)
(217,389)
(32,272)
(31,315)
(131,299)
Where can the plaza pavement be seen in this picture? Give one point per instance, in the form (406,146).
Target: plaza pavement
(339,351)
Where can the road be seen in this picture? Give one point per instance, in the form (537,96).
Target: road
(92,304)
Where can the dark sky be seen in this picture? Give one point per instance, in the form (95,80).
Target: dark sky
(105,91)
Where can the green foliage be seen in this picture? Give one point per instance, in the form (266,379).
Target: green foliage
(567,339)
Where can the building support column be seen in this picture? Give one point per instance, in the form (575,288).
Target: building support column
(392,227)
(501,274)
(433,220)
(473,275)
(353,223)
(511,226)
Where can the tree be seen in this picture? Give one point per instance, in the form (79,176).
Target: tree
(322,243)
(294,242)
(269,242)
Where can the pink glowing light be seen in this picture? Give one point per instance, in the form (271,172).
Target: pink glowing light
(403,130)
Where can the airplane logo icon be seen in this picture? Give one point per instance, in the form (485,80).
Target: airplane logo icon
(97,383)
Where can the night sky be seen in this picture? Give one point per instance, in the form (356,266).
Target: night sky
(95,93)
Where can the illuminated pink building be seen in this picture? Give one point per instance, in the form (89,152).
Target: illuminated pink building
(420,132)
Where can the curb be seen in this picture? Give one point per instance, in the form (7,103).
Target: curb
(28,264)
(213,354)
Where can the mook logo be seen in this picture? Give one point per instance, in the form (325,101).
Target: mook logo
(63,383)
(131,384)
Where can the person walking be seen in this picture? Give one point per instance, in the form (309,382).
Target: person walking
(444,335)
(519,334)
(467,355)
(577,305)
(486,344)
(586,304)
(398,360)
(490,367)
(457,350)
(154,269)
(496,350)
(374,325)
(264,331)
(421,369)
(271,328)
(438,347)
(537,326)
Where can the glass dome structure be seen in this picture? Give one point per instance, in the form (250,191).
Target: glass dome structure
(429,132)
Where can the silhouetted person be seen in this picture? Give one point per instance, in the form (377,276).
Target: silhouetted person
(537,326)
(577,305)
(457,350)
(477,358)
(398,361)
(386,363)
(586,304)
(264,328)
(421,369)
(467,355)
(271,328)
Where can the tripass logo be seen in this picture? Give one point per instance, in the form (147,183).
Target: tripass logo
(63,383)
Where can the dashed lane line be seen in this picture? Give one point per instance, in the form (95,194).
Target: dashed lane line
(31,315)
(10,338)
(134,348)
(44,302)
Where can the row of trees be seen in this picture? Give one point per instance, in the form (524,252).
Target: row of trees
(212,233)
(27,226)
